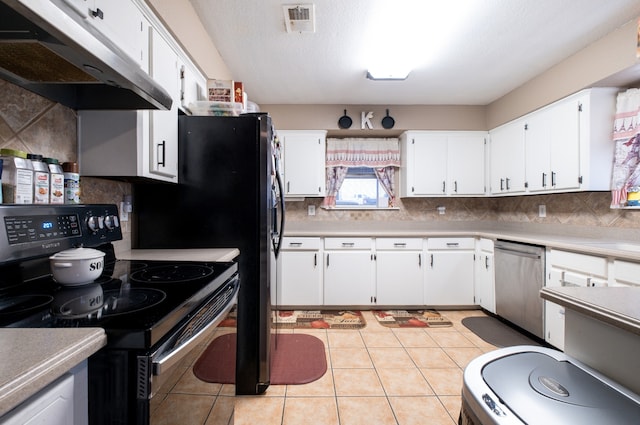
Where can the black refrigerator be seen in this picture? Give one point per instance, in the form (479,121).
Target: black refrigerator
(228,195)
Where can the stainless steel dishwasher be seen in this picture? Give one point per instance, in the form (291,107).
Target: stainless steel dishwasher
(519,271)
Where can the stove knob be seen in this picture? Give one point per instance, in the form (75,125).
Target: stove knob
(111,221)
(95,223)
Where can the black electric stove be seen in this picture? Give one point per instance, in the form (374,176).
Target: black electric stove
(154,313)
(136,302)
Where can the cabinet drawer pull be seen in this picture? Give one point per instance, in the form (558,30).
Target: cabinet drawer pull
(400,244)
(295,244)
(348,244)
(452,244)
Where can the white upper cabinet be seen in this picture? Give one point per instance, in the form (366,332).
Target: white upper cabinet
(554,141)
(438,163)
(303,159)
(142,143)
(507,159)
(163,142)
(120,21)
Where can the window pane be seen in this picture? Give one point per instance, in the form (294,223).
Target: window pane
(361,189)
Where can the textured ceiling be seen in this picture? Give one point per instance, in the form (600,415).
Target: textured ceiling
(486,48)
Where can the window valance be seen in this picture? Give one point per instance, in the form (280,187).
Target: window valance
(374,153)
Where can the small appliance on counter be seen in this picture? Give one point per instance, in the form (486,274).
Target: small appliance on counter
(539,386)
(154,313)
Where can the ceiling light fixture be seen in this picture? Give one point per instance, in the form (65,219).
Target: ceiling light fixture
(389,75)
(406,35)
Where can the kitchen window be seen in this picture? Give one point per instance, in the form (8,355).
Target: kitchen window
(361,173)
(362,189)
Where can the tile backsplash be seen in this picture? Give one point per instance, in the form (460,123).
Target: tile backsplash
(580,209)
(34,124)
(31,123)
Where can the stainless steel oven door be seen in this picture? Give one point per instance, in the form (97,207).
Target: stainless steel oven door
(155,369)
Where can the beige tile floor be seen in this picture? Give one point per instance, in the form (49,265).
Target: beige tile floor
(375,375)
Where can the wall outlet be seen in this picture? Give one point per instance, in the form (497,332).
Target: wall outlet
(311,210)
(441,210)
(542,211)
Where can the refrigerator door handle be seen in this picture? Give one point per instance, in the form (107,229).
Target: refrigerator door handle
(278,234)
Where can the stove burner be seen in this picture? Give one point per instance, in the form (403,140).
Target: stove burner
(22,303)
(123,301)
(172,273)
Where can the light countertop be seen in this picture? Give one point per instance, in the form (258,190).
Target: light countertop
(619,243)
(208,254)
(33,358)
(617,306)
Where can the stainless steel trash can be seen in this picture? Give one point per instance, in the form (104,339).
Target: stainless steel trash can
(540,386)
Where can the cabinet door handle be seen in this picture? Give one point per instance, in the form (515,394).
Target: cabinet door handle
(315,260)
(160,151)
(455,186)
(419,260)
(444,186)
(501,184)
(544,179)
(97,13)
(553,178)
(431,260)
(507,181)
(486,262)
(348,244)
(288,187)
(327,260)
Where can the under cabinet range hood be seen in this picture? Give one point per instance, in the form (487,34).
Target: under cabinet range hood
(44,50)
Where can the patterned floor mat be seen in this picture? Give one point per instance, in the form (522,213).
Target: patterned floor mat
(411,319)
(319,319)
(309,319)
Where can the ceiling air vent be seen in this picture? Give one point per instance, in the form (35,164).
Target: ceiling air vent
(300,17)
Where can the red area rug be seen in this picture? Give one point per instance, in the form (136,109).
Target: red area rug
(298,359)
(411,319)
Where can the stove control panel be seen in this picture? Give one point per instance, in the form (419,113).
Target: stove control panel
(28,231)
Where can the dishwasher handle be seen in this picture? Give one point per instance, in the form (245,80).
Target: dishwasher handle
(518,252)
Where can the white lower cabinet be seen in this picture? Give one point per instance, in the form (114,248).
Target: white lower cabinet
(299,280)
(485,294)
(450,272)
(625,273)
(399,271)
(566,268)
(349,271)
(63,402)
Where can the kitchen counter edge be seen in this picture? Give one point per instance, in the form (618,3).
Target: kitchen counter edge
(200,254)
(570,242)
(34,358)
(617,306)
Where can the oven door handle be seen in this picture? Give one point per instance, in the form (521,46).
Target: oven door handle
(163,361)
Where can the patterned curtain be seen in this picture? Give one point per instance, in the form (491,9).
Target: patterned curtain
(335,177)
(625,181)
(386,177)
(379,154)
